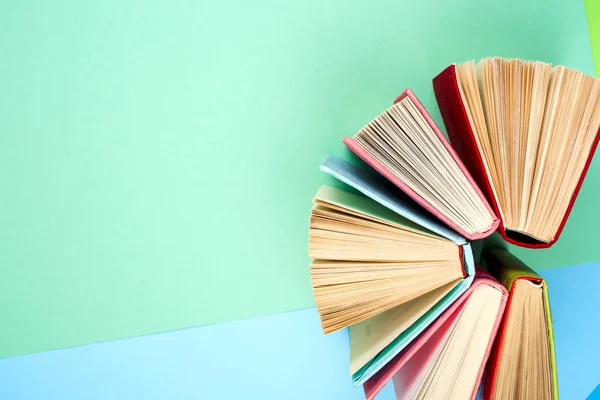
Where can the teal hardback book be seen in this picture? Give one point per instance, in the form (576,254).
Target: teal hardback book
(377,340)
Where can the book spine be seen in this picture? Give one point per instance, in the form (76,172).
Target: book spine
(461,257)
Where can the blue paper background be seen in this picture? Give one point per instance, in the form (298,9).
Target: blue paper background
(282,356)
(595,395)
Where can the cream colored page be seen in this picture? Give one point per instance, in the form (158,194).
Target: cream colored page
(555,137)
(453,371)
(524,369)
(509,131)
(365,207)
(539,82)
(401,139)
(580,146)
(469,91)
(369,337)
(472,353)
(563,144)
(486,77)
(394,148)
(549,120)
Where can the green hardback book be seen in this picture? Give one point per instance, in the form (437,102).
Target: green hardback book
(523,354)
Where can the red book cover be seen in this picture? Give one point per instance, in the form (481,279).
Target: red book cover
(409,362)
(379,167)
(460,133)
(509,270)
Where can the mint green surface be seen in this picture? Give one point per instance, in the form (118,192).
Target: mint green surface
(158,159)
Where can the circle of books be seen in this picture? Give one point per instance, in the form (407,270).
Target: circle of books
(391,254)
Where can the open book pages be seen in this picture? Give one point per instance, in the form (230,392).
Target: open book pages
(524,368)
(405,142)
(371,336)
(368,259)
(535,126)
(449,364)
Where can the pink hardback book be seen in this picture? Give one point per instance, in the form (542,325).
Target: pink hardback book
(379,167)
(408,368)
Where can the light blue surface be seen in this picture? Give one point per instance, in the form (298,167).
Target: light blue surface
(575,303)
(595,395)
(283,356)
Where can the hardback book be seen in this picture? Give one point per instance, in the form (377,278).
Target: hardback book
(527,133)
(382,265)
(448,360)
(405,146)
(522,363)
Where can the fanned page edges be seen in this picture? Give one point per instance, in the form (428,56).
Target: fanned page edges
(417,328)
(368,259)
(454,114)
(409,93)
(373,185)
(495,353)
(508,269)
(460,133)
(462,138)
(353,145)
(396,201)
(376,383)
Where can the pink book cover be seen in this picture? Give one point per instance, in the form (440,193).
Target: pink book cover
(362,153)
(424,347)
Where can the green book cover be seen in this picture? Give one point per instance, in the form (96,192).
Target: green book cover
(507,268)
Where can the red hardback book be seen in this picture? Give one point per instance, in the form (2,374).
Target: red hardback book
(408,365)
(509,270)
(379,167)
(447,93)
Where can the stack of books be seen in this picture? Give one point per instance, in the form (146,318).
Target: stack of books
(391,258)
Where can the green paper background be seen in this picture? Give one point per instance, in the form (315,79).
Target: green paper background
(158,159)
(592,8)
